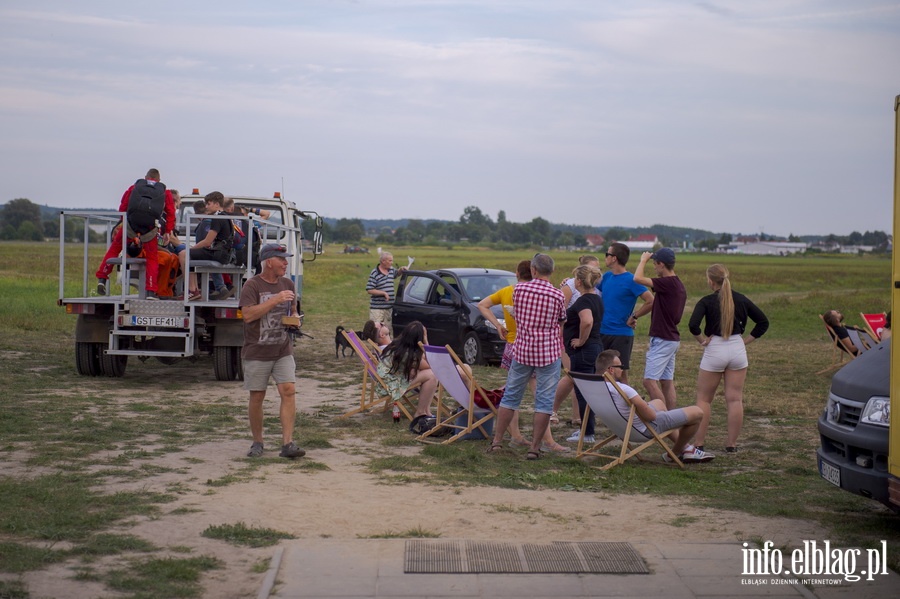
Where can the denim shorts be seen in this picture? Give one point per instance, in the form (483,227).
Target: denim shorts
(519,375)
(660,364)
(257,372)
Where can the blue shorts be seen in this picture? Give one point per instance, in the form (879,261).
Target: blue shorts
(660,365)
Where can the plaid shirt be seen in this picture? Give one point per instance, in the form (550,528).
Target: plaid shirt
(540,308)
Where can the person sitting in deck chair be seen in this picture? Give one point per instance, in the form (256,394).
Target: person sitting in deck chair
(685,420)
(835,320)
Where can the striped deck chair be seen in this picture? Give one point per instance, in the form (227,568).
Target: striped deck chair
(598,396)
(372,385)
(475,407)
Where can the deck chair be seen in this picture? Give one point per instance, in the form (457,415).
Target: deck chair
(860,339)
(373,385)
(475,409)
(874,324)
(598,396)
(838,351)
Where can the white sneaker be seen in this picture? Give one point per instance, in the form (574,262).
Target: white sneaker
(696,456)
(574,438)
(667,459)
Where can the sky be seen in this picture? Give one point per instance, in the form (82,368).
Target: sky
(731,116)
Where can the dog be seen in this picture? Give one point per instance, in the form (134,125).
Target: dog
(341,343)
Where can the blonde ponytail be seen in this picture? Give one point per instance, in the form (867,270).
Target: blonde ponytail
(718,275)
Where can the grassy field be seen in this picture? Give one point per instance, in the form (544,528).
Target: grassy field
(45,412)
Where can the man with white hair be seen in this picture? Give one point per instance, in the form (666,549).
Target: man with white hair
(540,314)
(268,348)
(380,288)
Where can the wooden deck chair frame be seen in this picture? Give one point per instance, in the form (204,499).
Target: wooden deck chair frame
(372,384)
(599,398)
(462,388)
(373,348)
(873,322)
(837,352)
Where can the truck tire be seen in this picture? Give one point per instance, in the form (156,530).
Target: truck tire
(87,360)
(228,365)
(110,365)
(471,347)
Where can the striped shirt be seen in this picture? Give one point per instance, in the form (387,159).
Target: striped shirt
(381,282)
(540,308)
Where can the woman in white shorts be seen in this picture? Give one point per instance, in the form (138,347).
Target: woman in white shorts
(725,355)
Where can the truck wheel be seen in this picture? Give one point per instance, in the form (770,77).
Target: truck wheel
(471,349)
(225,366)
(111,366)
(238,364)
(87,360)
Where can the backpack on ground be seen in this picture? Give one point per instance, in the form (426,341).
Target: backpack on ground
(145,205)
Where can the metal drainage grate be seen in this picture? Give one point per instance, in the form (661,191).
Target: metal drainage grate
(486,557)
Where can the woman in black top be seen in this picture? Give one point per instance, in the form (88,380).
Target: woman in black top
(581,336)
(726,313)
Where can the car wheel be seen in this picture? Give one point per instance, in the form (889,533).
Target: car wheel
(471,348)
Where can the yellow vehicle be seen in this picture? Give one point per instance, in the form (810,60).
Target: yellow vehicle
(859,449)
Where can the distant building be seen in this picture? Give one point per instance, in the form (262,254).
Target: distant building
(764,248)
(855,249)
(594,242)
(642,243)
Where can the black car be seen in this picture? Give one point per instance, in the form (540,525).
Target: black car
(445,301)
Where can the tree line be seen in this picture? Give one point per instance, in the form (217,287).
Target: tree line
(25,220)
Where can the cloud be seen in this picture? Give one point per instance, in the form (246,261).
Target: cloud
(519,105)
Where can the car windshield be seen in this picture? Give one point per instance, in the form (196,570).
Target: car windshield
(480,286)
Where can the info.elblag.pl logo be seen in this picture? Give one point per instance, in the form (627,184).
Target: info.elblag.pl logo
(815,563)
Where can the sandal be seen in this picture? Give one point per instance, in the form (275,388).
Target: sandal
(532,455)
(554,418)
(494,448)
(555,448)
(523,442)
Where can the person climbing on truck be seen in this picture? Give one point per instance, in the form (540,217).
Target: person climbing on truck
(145,204)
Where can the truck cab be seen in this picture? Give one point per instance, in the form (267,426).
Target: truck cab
(124,322)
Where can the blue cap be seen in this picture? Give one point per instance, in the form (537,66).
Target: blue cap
(271,250)
(664,255)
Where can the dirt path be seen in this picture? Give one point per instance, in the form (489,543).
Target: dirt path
(346,502)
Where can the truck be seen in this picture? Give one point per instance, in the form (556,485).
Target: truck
(859,433)
(123,322)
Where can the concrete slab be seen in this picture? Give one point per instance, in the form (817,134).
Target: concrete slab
(338,569)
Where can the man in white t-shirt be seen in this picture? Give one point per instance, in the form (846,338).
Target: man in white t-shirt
(685,420)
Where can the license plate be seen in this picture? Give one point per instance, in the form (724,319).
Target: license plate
(157,321)
(830,473)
